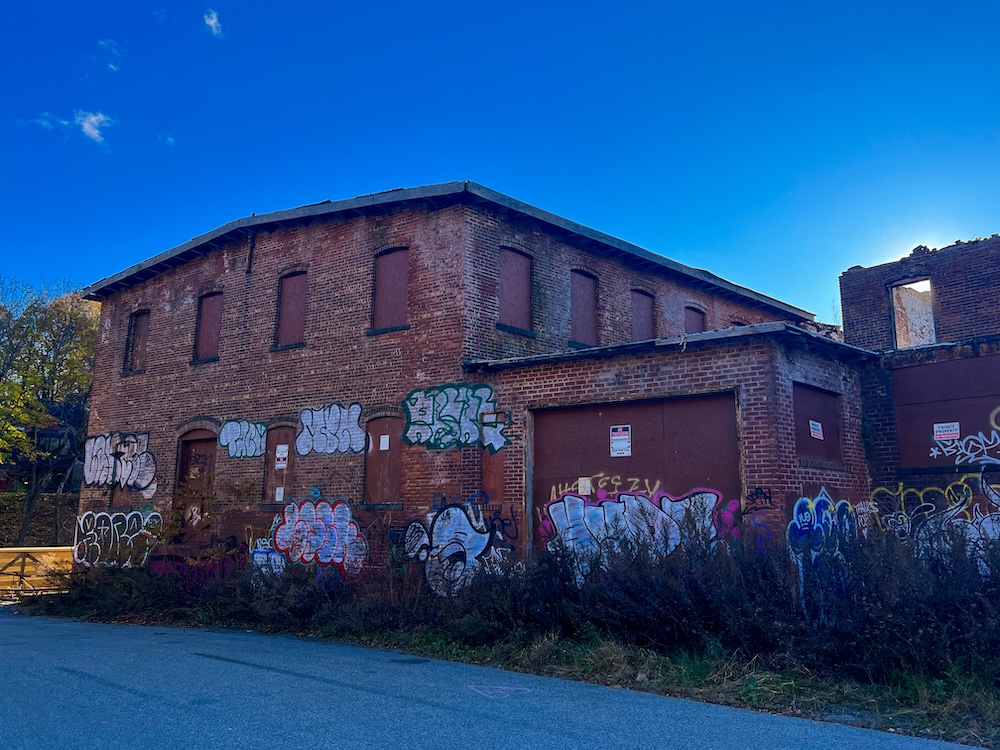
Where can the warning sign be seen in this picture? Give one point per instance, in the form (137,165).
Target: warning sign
(815,429)
(281,457)
(621,440)
(947,430)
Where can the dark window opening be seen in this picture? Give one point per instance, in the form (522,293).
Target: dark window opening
(643,317)
(209,328)
(135,346)
(515,290)
(694,320)
(291,326)
(583,309)
(913,314)
(817,423)
(392,275)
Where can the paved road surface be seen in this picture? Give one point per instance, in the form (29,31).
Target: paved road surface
(70,685)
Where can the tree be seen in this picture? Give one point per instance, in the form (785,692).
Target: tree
(46,364)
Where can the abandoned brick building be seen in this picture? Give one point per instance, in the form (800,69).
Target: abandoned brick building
(470,378)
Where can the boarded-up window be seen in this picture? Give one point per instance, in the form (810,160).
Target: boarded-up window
(515,290)
(280,455)
(135,346)
(913,314)
(583,309)
(817,423)
(392,274)
(643,322)
(291,311)
(206,344)
(694,320)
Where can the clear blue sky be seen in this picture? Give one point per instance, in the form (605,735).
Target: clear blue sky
(775,144)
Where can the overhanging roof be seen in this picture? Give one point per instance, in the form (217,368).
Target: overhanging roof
(774,329)
(433,196)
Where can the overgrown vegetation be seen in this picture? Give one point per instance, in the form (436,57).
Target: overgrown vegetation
(913,650)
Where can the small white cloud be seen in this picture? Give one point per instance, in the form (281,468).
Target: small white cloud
(114,54)
(49,122)
(160,15)
(213,23)
(167,139)
(91,123)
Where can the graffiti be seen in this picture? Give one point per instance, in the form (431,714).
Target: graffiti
(935,519)
(116,539)
(592,531)
(819,535)
(493,513)
(612,483)
(971,449)
(756,499)
(323,532)
(330,429)
(263,556)
(456,543)
(243,439)
(455,415)
(120,459)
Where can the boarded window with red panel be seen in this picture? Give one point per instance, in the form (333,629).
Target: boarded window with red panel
(206,346)
(694,320)
(135,347)
(291,326)
(392,276)
(643,320)
(583,309)
(515,291)
(817,423)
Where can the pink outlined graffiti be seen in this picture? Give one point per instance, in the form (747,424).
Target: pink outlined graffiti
(321,531)
(593,529)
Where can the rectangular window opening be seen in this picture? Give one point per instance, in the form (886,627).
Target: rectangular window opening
(583,309)
(209,328)
(515,291)
(291,326)
(392,272)
(643,317)
(913,314)
(135,346)
(694,320)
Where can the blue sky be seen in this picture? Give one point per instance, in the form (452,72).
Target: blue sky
(775,144)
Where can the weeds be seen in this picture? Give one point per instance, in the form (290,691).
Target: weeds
(914,651)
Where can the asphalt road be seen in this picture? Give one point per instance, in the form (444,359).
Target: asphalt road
(70,685)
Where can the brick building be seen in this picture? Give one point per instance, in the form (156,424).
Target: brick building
(931,400)
(450,370)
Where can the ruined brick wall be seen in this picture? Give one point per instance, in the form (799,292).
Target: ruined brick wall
(964,288)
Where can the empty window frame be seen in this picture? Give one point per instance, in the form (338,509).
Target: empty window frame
(694,320)
(392,276)
(643,318)
(135,342)
(913,314)
(515,291)
(583,309)
(208,328)
(817,423)
(291,325)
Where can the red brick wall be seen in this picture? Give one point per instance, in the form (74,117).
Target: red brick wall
(759,371)
(963,282)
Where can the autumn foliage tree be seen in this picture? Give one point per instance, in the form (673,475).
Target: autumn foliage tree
(47,345)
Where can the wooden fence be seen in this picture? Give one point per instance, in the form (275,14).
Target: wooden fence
(34,569)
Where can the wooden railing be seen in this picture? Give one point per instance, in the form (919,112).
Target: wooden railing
(26,570)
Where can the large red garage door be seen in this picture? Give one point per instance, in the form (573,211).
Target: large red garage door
(594,465)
